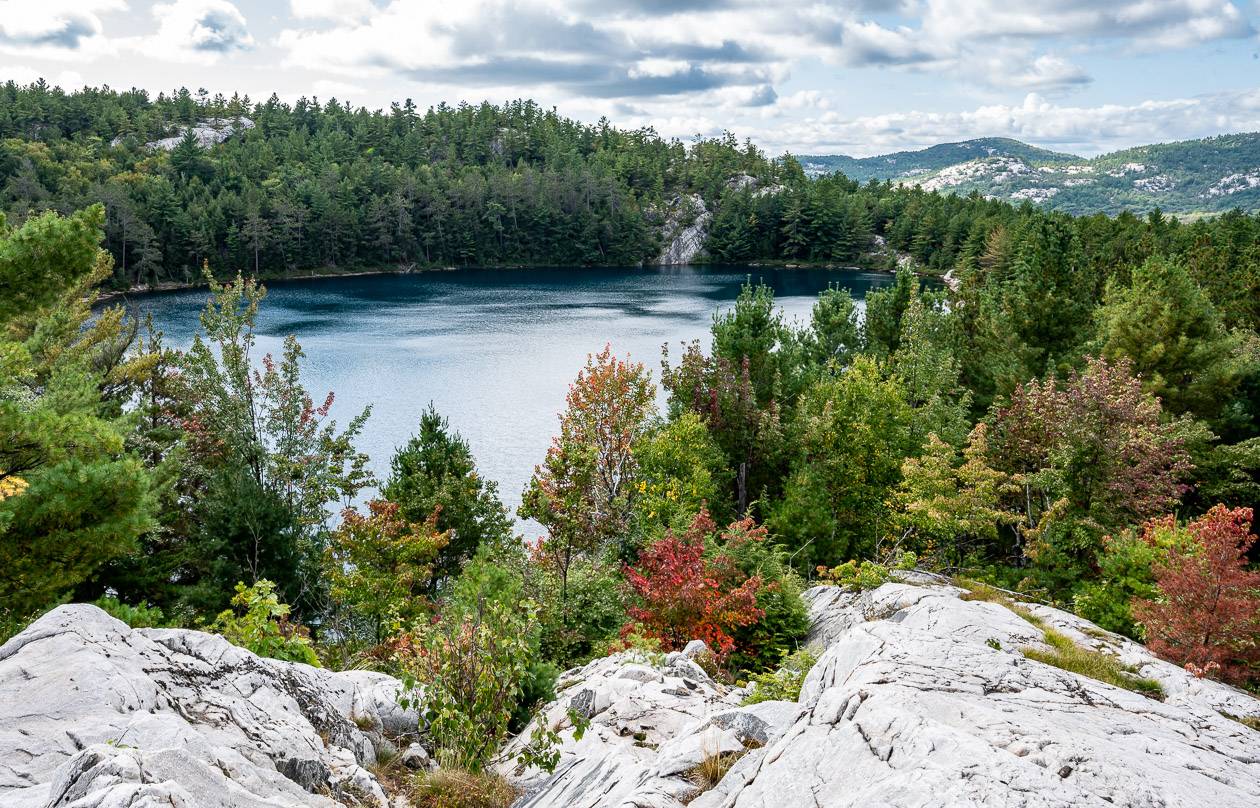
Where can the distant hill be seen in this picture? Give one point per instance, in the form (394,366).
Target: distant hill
(899,165)
(1193,176)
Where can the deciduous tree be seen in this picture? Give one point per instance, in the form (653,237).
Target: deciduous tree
(1208,609)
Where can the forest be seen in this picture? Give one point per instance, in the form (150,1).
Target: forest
(1074,417)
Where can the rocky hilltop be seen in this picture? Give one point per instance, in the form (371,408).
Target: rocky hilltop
(1210,175)
(922,696)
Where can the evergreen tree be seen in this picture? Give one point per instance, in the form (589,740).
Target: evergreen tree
(72,497)
(1164,325)
(435,477)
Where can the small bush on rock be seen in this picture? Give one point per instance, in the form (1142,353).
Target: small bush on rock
(465,673)
(1208,608)
(258,621)
(761,645)
(459,788)
(1126,572)
(681,593)
(864,575)
(712,768)
(785,683)
(139,616)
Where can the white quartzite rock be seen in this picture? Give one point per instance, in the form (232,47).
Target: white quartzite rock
(94,714)
(919,699)
(684,243)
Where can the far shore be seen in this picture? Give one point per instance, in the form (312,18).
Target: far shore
(174,286)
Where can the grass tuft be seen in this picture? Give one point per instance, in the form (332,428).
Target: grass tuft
(1249,721)
(710,771)
(1067,655)
(457,788)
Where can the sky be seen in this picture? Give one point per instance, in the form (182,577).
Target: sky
(858,77)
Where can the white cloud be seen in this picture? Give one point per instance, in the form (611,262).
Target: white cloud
(331,88)
(1176,23)
(341,11)
(1081,129)
(55,28)
(1016,69)
(67,80)
(657,49)
(198,31)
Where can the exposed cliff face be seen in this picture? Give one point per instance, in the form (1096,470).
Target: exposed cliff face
(685,230)
(919,699)
(208,132)
(94,714)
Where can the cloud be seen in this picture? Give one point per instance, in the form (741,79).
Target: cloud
(644,48)
(341,11)
(963,35)
(1045,73)
(55,28)
(199,31)
(331,88)
(525,45)
(67,80)
(1080,129)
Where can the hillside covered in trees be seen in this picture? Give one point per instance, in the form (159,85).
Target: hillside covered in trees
(1213,174)
(274,189)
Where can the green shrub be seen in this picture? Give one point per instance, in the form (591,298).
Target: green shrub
(574,627)
(259,622)
(785,683)
(864,575)
(1126,572)
(140,616)
(466,673)
(760,645)
(645,648)
(538,686)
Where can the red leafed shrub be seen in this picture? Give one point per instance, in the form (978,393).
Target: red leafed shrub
(681,595)
(1207,617)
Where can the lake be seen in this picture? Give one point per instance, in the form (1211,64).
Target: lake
(493,349)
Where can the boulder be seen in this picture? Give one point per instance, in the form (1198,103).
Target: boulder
(920,698)
(648,716)
(94,714)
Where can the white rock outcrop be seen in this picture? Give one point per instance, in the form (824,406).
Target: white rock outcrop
(919,698)
(207,131)
(685,230)
(94,714)
(651,721)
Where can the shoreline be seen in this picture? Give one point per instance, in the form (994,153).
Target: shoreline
(175,286)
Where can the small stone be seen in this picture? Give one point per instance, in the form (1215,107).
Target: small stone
(415,757)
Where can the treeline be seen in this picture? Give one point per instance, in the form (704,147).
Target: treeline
(314,186)
(328,188)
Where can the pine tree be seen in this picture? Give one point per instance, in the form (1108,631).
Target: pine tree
(434,477)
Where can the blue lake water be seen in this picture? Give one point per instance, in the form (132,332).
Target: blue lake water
(493,349)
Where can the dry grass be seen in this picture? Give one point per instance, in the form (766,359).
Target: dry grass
(456,788)
(710,771)
(981,591)
(1065,654)
(1250,721)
